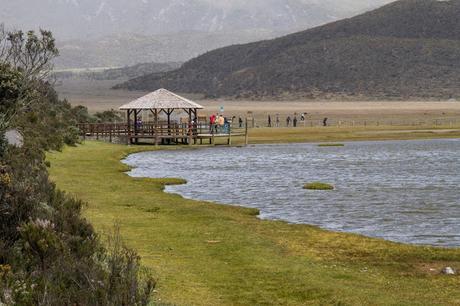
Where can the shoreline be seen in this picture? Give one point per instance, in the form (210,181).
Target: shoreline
(184,181)
(187,243)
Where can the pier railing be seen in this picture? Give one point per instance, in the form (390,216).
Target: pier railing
(184,133)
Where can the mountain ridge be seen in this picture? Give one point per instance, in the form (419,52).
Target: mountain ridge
(410,48)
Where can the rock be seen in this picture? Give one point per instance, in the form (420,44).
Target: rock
(14,138)
(448,271)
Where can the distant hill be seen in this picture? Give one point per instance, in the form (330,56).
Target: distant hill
(130,49)
(410,48)
(120,74)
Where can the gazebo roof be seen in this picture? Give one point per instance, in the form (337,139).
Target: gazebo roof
(161,99)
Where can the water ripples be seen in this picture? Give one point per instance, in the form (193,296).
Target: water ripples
(405,191)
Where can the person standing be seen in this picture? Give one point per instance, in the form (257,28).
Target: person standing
(277,120)
(212,122)
(221,122)
(325,122)
(294,121)
(288,121)
(240,121)
(269,121)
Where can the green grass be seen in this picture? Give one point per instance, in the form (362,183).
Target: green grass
(339,134)
(207,254)
(318,186)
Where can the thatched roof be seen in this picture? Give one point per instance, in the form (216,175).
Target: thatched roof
(161,99)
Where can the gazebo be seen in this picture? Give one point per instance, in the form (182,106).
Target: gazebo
(160,102)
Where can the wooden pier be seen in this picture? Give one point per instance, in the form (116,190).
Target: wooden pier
(173,133)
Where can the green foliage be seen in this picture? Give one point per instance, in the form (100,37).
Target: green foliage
(81,114)
(9,87)
(49,254)
(108,116)
(318,186)
(3,144)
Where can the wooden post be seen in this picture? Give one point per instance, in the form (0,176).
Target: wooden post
(110,133)
(155,128)
(190,134)
(129,127)
(135,127)
(229,135)
(195,125)
(246,135)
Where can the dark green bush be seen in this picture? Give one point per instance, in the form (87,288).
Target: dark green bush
(49,254)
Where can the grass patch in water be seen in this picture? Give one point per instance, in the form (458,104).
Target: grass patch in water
(331,145)
(318,186)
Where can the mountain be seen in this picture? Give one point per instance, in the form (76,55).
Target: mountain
(80,19)
(113,33)
(409,48)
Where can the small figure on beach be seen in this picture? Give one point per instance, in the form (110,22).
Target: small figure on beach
(240,122)
(288,121)
(269,121)
(294,121)
(302,117)
(277,120)
(325,121)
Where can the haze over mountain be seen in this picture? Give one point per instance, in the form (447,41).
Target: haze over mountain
(80,19)
(410,48)
(157,27)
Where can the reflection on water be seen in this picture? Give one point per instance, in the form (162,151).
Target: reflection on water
(406,191)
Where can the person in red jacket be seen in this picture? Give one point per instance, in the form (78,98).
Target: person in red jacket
(212,122)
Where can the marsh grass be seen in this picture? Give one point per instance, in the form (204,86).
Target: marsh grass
(331,145)
(255,262)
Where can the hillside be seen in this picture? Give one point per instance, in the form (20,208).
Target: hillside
(410,48)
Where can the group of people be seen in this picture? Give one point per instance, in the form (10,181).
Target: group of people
(219,123)
(290,121)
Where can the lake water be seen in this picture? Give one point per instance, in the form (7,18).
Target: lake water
(405,191)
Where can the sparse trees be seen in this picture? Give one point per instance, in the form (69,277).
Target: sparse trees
(26,61)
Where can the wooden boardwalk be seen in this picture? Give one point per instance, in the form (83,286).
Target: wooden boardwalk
(174,133)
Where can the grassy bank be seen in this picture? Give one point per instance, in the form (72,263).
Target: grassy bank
(208,254)
(338,134)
